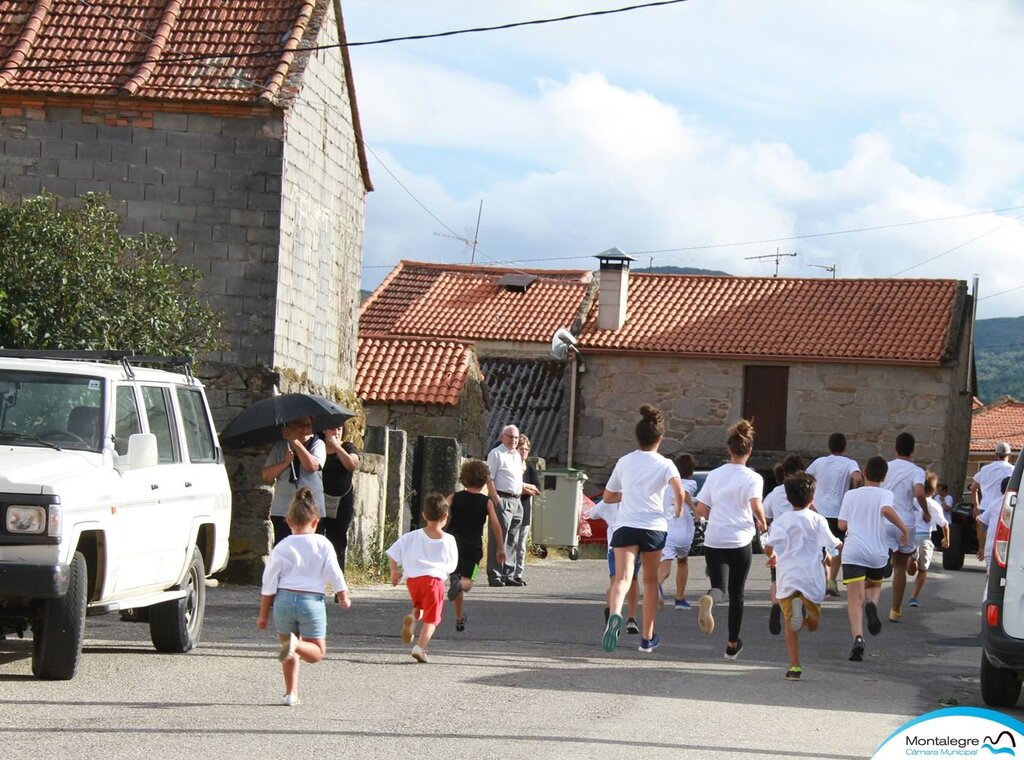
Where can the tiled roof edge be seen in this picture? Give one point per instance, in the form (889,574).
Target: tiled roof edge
(760,358)
(273,86)
(27,39)
(584,274)
(144,72)
(350,82)
(385,283)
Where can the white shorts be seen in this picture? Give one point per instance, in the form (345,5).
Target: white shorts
(925,549)
(679,539)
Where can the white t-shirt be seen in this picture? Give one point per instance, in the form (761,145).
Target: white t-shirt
(990,519)
(797,538)
(303,562)
(938,518)
(833,475)
(680,529)
(728,491)
(506,468)
(867,540)
(419,554)
(901,479)
(989,478)
(776,504)
(602,510)
(641,477)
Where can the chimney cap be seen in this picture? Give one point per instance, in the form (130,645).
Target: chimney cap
(614,258)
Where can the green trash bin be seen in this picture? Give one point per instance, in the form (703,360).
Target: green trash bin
(556,512)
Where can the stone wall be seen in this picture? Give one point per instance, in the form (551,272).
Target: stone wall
(871,404)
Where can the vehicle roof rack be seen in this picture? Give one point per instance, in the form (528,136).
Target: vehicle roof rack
(126,358)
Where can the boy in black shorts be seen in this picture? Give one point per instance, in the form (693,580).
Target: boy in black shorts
(468,511)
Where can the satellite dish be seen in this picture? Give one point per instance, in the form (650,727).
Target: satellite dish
(562,342)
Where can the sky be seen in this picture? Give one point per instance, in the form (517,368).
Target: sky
(878,138)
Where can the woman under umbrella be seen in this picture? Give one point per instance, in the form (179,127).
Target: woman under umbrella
(294,462)
(342,461)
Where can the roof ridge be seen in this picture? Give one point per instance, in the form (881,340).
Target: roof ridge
(273,85)
(491,269)
(168,22)
(26,40)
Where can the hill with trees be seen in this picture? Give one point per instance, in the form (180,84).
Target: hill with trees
(999,346)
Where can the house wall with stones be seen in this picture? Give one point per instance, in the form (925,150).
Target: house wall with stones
(871,404)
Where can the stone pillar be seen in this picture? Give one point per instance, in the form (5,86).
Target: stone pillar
(398,441)
(436,469)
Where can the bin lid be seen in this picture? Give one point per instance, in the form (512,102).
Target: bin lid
(566,472)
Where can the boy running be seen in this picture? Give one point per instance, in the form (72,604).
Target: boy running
(866,561)
(795,541)
(923,536)
(680,532)
(836,474)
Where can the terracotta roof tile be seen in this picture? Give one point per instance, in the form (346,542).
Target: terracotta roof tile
(883,320)
(468,303)
(400,370)
(1002,421)
(136,44)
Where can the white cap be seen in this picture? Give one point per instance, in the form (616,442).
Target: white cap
(1003,449)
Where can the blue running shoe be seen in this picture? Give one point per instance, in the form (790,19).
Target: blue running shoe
(649,645)
(682,604)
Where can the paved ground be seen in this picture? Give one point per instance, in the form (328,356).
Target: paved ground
(527,679)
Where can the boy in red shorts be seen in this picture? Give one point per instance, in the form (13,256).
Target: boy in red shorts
(427,556)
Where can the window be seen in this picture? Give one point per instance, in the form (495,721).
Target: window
(160,415)
(198,433)
(126,421)
(765,393)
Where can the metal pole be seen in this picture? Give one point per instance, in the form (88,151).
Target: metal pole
(572,409)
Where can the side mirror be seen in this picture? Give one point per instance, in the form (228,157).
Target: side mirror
(142,451)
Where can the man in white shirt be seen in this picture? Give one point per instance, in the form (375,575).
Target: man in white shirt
(835,475)
(505,487)
(906,482)
(987,494)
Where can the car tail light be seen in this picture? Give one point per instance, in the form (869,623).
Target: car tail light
(1002,539)
(992,615)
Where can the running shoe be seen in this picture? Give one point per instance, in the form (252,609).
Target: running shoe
(705,618)
(732,652)
(408,626)
(894,616)
(460,623)
(631,626)
(832,588)
(649,645)
(287,649)
(775,620)
(290,700)
(793,674)
(857,653)
(454,586)
(419,654)
(874,624)
(796,620)
(682,604)
(914,602)
(611,633)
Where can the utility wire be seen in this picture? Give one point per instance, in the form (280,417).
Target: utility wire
(958,247)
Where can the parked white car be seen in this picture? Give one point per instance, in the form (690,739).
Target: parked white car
(113,496)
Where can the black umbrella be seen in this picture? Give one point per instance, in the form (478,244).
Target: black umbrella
(261,422)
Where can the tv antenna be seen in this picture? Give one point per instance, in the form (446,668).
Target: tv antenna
(777,256)
(827,267)
(476,235)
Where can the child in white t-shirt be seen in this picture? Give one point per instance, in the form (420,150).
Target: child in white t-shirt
(923,537)
(775,504)
(795,541)
(866,552)
(428,557)
(294,581)
(610,514)
(680,533)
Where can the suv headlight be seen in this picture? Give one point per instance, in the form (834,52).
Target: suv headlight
(26,520)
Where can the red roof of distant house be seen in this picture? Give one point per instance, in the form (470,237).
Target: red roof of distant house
(998,422)
(870,320)
(415,371)
(470,303)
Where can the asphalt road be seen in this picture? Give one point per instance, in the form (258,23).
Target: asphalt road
(527,679)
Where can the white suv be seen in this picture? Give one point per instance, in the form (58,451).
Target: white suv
(113,496)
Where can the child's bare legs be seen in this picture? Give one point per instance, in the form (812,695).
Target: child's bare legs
(649,562)
(633,598)
(460,600)
(624,559)
(426,634)
(922,575)
(792,645)
(834,563)
(682,574)
(855,594)
(309,650)
(899,580)
(664,570)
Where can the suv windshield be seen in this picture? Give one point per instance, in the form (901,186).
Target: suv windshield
(51,410)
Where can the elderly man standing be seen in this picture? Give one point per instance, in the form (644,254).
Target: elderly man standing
(505,486)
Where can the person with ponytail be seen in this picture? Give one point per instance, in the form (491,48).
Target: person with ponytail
(731,500)
(637,485)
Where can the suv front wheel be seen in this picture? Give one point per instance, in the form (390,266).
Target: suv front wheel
(176,626)
(58,630)
(999,687)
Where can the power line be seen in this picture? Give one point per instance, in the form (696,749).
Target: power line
(958,247)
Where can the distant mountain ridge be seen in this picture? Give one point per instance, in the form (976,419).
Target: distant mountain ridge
(999,346)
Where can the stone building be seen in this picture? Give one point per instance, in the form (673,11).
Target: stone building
(231,127)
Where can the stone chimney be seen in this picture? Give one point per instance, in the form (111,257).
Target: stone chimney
(614,287)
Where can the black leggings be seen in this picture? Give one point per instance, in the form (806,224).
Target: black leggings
(729,568)
(336,528)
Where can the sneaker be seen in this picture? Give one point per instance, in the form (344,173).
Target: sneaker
(631,626)
(832,587)
(914,602)
(706,620)
(649,645)
(682,604)
(857,653)
(874,624)
(494,582)
(775,620)
(408,626)
(793,674)
(894,616)
(454,587)
(732,652)
(611,633)
(515,582)
(460,623)
(290,700)
(418,654)
(287,649)
(796,621)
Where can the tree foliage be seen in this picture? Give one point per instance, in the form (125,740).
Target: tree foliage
(70,280)
(1000,358)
